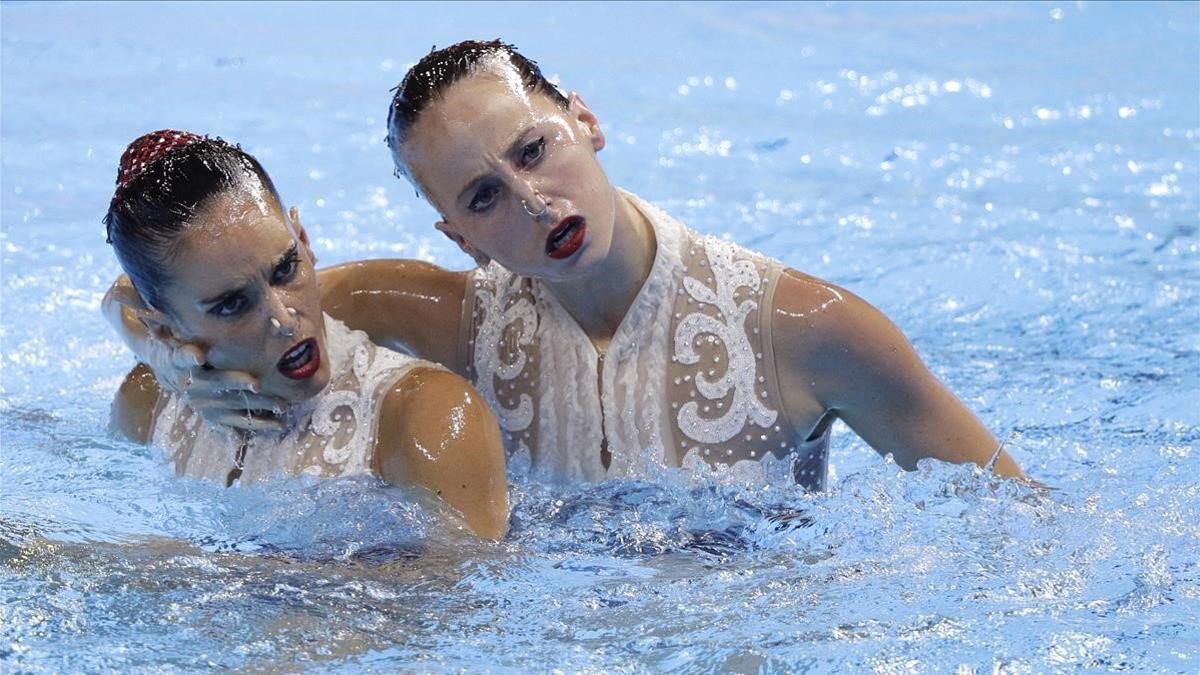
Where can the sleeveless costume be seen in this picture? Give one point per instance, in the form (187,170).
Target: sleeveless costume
(688,379)
(332,434)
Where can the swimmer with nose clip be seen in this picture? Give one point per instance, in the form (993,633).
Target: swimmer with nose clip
(539,213)
(212,259)
(609,338)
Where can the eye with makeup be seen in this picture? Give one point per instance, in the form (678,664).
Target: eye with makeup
(533,151)
(237,302)
(230,306)
(484,197)
(488,192)
(287,268)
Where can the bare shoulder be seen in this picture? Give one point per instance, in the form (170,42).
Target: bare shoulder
(832,338)
(437,431)
(425,390)
(820,320)
(135,404)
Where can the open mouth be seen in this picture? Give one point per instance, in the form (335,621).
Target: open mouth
(564,240)
(302,361)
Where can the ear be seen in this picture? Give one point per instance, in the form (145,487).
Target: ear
(586,118)
(478,256)
(301,233)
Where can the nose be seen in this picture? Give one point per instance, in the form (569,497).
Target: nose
(532,200)
(282,317)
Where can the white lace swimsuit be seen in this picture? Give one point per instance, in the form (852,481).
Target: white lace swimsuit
(688,379)
(331,434)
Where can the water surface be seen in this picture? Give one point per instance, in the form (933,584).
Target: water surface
(1014,184)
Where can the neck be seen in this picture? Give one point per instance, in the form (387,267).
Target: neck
(599,301)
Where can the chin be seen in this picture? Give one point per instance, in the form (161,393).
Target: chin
(590,258)
(296,392)
(313,385)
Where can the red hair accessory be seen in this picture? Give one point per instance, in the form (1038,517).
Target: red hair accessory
(144,150)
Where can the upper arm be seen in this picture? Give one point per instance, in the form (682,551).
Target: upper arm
(857,363)
(406,305)
(437,432)
(134,405)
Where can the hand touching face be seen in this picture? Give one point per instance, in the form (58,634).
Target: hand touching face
(243,289)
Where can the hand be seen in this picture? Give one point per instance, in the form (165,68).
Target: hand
(230,398)
(225,397)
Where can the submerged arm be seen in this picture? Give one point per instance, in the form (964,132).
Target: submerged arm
(838,353)
(436,431)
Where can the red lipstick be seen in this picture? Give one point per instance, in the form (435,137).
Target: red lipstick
(302,361)
(564,240)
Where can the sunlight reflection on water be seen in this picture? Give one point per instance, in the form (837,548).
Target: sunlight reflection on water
(1015,185)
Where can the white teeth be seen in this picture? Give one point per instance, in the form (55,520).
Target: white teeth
(562,234)
(298,357)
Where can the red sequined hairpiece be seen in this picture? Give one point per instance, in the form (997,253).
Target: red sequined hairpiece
(143,151)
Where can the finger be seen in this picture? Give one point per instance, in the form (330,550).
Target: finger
(186,356)
(125,294)
(207,382)
(247,422)
(235,401)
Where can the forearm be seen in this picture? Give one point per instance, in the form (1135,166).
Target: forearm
(406,305)
(134,405)
(928,421)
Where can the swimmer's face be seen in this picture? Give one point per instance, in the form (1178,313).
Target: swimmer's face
(242,285)
(514,175)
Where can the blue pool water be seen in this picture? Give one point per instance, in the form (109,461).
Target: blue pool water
(1016,185)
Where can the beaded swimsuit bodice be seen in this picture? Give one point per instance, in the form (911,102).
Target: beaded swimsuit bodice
(331,434)
(688,378)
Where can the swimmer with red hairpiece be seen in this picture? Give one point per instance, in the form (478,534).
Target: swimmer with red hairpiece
(214,261)
(609,338)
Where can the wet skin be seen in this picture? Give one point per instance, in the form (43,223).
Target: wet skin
(487,153)
(487,150)
(244,291)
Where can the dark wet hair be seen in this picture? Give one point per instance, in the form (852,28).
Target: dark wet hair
(160,188)
(440,68)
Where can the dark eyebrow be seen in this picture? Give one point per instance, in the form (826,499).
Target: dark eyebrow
(512,148)
(283,257)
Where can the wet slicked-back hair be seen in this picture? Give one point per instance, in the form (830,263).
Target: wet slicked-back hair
(153,206)
(440,68)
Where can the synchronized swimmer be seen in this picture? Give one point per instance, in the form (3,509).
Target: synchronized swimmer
(606,337)
(200,230)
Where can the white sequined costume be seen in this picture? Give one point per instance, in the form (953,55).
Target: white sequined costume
(688,379)
(331,434)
